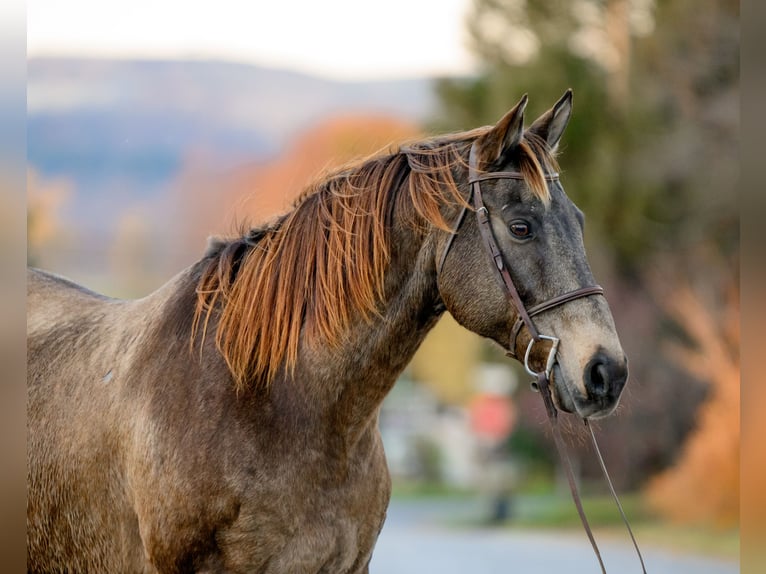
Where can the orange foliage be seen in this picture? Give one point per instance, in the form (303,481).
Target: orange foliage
(704,484)
(44,200)
(270,190)
(210,200)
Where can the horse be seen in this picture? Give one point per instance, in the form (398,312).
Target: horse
(228,422)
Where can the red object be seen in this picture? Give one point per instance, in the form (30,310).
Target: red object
(492,416)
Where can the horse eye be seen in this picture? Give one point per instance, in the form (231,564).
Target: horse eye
(520,229)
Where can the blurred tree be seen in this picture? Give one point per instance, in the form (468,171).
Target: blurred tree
(704,484)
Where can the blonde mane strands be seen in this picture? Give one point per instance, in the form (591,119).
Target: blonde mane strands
(323,265)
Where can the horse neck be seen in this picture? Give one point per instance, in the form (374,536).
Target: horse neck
(352,380)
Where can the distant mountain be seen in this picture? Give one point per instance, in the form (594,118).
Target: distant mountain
(90,117)
(120,131)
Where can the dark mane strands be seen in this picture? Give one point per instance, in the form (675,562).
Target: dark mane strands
(324,262)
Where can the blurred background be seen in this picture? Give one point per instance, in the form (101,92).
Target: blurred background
(151,127)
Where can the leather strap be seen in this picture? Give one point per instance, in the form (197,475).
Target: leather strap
(506,175)
(550,304)
(545,392)
(485,228)
(614,494)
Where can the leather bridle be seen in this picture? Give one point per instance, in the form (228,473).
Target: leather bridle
(524,318)
(524,315)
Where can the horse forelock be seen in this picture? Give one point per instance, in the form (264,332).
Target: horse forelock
(323,264)
(536,160)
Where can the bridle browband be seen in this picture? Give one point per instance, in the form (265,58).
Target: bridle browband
(524,318)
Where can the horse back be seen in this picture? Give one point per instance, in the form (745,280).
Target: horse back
(77,494)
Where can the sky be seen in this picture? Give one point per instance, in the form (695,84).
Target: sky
(340,39)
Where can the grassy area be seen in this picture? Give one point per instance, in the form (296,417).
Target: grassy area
(704,541)
(551,511)
(650,530)
(560,513)
(535,509)
(415,490)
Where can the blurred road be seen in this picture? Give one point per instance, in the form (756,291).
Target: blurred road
(423,537)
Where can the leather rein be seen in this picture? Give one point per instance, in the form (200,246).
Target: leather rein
(524,318)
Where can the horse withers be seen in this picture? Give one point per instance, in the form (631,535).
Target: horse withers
(228,422)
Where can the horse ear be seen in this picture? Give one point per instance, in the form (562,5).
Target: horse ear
(550,126)
(505,135)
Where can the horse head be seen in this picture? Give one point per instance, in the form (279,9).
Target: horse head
(538,234)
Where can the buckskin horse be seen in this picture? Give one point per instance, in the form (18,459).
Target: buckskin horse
(228,422)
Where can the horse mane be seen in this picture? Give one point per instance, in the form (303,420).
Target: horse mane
(322,265)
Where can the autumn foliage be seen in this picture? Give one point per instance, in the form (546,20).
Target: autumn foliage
(209,200)
(270,189)
(45,199)
(703,486)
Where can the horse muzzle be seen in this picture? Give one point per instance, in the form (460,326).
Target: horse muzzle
(603,381)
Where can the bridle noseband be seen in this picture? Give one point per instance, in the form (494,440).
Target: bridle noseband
(524,318)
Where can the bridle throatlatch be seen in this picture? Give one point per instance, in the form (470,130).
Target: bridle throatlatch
(524,319)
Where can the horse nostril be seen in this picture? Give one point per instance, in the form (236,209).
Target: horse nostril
(605,377)
(597,378)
